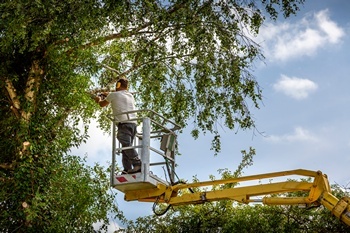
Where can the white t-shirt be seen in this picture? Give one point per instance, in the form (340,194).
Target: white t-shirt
(122,101)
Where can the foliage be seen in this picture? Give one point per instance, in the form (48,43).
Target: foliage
(55,196)
(186,59)
(44,79)
(191,60)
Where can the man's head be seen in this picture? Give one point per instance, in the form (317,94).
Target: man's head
(122,84)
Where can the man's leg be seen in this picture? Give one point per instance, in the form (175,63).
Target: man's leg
(126,162)
(126,134)
(135,160)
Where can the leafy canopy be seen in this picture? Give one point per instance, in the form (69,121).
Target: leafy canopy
(189,60)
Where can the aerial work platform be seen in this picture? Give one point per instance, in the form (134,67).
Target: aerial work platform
(149,185)
(155,143)
(137,181)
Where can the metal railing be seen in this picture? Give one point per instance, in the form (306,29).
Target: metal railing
(154,126)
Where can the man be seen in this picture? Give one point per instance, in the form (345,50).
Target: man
(123,101)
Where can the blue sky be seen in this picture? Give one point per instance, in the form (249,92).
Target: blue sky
(303,119)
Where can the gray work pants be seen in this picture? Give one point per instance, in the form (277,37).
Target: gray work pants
(126,134)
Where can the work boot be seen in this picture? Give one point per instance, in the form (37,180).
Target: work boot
(124,172)
(136,169)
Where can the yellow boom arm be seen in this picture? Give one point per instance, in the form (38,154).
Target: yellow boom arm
(319,192)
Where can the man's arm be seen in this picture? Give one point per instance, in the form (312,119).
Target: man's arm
(102,103)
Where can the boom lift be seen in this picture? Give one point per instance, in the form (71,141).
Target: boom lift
(148,187)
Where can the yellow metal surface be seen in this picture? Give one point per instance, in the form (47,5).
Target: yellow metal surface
(241,194)
(298,172)
(328,200)
(340,208)
(286,200)
(318,192)
(147,194)
(176,195)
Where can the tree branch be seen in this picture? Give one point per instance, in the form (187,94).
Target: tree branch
(13,94)
(131,32)
(32,88)
(24,151)
(5,179)
(113,36)
(6,166)
(33,81)
(26,146)
(134,67)
(110,68)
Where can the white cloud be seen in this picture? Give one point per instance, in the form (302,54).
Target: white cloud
(304,38)
(299,135)
(113,226)
(97,148)
(330,28)
(294,87)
